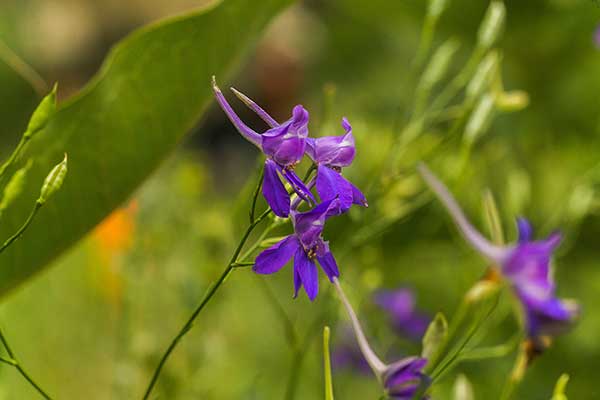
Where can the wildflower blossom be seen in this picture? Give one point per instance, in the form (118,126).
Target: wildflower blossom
(400,306)
(331,154)
(401,380)
(526,264)
(305,245)
(284,146)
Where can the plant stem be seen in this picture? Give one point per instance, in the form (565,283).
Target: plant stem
(15,363)
(207,297)
(255,195)
(23,227)
(23,69)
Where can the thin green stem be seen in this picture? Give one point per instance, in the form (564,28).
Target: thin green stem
(23,69)
(255,195)
(23,227)
(207,297)
(14,155)
(15,363)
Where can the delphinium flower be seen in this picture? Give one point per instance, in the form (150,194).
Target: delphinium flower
(284,146)
(330,154)
(401,380)
(306,246)
(525,264)
(400,306)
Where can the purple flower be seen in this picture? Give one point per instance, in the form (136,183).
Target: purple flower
(526,264)
(331,154)
(306,245)
(284,146)
(400,306)
(403,378)
(597,37)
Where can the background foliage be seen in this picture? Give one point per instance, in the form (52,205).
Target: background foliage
(94,324)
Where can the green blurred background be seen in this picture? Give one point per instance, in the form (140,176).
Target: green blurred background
(94,325)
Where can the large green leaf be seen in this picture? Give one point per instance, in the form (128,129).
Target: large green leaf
(151,90)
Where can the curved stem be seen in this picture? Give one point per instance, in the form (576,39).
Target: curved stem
(207,297)
(23,227)
(494,253)
(15,363)
(374,362)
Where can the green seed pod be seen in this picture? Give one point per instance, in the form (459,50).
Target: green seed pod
(440,61)
(480,118)
(42,113)
(14,187)
(483,76)
(436,8)
(492,25)
(53,181)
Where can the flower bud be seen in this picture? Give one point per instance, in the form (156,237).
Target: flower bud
(483,75)
(42,114)
(439,64)
(14,187)
(53,181)
(492,25)
(436,8)
(480,118)
(512,101)
(482,290)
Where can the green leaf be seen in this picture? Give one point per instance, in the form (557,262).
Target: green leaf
(327,365)
(436,335)
(151,90)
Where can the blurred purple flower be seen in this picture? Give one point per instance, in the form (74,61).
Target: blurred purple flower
(306,245)
(597,37)
(526,264)
(331,154)
(402,313)
(403,378)
(346,353)
(284,146)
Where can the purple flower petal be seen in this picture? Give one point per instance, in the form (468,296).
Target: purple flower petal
(275,257)
(328,264)
(331,184)
(335,151)
(286,143)
(403,378)
(299,187)
(307,271)
(357,197)
(274,191)
(309,225)
(256,108)
(525,230)
(242,128)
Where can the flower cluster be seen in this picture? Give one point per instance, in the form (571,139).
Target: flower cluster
(524,264)
(284,146)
